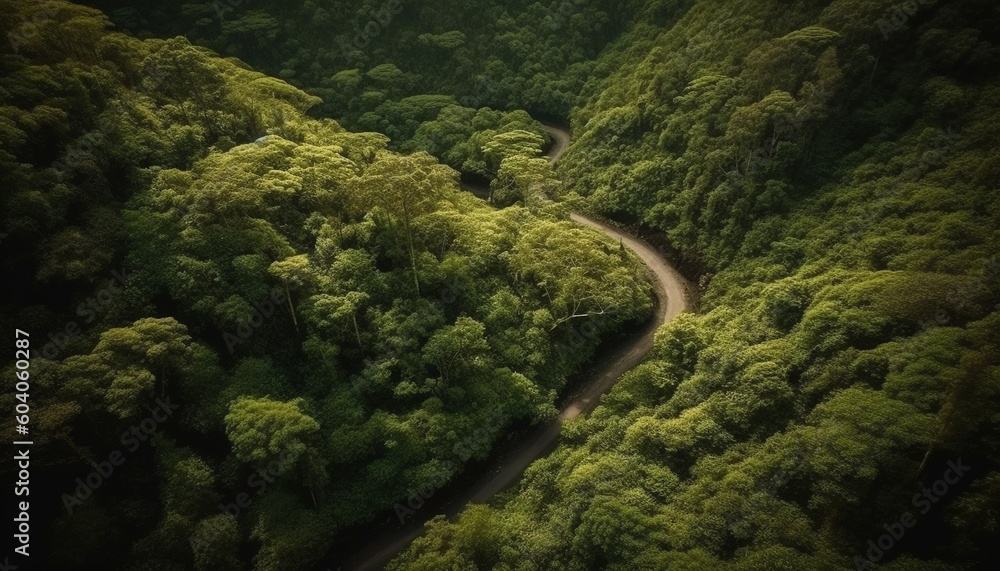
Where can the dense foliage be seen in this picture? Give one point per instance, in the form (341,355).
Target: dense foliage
(333,318)
(832,168)
(390,64)
(281,326)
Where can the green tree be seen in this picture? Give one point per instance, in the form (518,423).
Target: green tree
(405,188)
(129,364)
(262,429)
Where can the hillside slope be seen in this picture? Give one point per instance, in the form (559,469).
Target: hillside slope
(830,169)
(248,329)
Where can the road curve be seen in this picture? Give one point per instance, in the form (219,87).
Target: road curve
(671,293)
(560,138)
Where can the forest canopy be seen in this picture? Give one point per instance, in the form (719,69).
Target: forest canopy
(315,306)
(248,219)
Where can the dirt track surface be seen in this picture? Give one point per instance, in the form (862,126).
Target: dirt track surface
(670,289)
(561,138)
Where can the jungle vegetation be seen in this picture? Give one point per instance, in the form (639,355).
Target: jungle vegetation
(297,268)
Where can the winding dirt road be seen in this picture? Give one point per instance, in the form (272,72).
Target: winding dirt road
(671,292)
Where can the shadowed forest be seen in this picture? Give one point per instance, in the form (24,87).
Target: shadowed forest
(260,322)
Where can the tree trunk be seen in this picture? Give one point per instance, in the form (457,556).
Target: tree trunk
(291,309)
(409,245)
